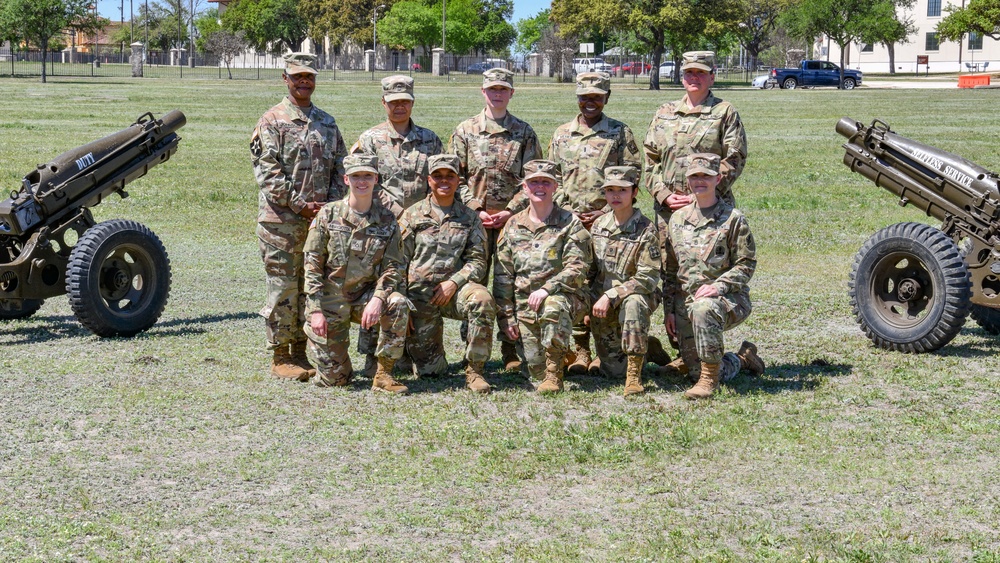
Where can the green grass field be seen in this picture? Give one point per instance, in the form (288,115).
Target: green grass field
(177,446)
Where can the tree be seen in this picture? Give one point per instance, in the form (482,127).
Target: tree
(529,31)
(275,26)
(843,21)
(410,24)
(37,22)
(207,23)
(757,22)
(980,16)
(227,45)
(889,23)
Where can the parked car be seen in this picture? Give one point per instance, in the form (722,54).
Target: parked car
(595,64)
(415,67)
(764,81)
(632,68)
(815,73)
(667,69)
(478,68)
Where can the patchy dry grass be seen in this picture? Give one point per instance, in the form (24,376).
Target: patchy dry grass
(174,445)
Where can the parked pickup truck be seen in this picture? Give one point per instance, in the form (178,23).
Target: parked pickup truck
(815,73)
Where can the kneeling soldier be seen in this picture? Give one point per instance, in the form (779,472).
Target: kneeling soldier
(710,259)
(444,243)
(543,258)
(624,288)
(354,272)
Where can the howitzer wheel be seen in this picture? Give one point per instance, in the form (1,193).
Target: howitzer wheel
(987,318)
(910,288)
(11,309)
(118,278)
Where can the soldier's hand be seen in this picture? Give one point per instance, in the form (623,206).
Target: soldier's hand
(677,201)
(500,218)
(311,209)
(317,322)
(513,332)
(589,217)
(372,313)
(443,293)
(602,306)
(487,219)
(536,299)
(707,290)
(670,323)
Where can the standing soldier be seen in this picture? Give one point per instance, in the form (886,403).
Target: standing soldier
(697,123)
(583,148)
(627,268)
(492,149)
(354,272)
(543,258)
(445,246)
(297,154)
(402,148)
(710,258)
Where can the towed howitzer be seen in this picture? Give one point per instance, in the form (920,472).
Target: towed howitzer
(116,273)
(912,285)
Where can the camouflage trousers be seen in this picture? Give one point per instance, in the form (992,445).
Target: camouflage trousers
(700,328)
(329,354)
(284,310)
(549,331)
(491,251)
(624,332)
(472,303)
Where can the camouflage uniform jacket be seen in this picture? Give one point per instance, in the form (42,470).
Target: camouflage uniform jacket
(583,153)
(717,249)
(491,154)
(554,256)
(441,246)
(678,131)
(402,162)
(626,257)
(298,158)
(347,254)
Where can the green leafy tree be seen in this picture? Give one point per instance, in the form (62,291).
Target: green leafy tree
(843,21)
(529,31)
(206,23)
(275,26)
(979,16)
(757,22)
(889,23)
(410,24)
(37,22)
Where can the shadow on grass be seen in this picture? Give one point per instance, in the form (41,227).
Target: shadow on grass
(782,378)
(57,327)
(985,345)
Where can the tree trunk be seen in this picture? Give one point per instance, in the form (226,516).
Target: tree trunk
(891,47)
(843,57)
(654,72)
(45,55)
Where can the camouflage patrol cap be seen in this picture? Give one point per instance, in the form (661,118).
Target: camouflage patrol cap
(297,63)
(703,163)
(593,83)
(354,163)
(439,161)
(541,168)
(397,87)
(623,176)
(703,60)
(498,77)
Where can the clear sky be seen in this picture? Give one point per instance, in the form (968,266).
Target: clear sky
(111,8)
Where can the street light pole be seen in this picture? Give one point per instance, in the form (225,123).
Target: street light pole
(374,39)
(444,9)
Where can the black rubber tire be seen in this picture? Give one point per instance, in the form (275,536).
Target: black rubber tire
(118,278)
(987,318)
(768,85)
(11,309)
(789,83)
(910,288)
(849,84)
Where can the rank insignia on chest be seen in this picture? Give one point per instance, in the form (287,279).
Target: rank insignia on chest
(377,231)
(552,254)
(357,244)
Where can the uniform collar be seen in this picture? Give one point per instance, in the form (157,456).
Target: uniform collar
(554,219)
(300,114)
(705,107)
(693,214)
(369,219)
(393,134)
(488,125)
(579,127)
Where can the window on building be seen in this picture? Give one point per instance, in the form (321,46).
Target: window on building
(975,41)
(933,8)
(867,48)
(932,42)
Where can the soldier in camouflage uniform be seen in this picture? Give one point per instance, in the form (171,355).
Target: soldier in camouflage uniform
(402,148)
(698,122)
(711,257)
(492,148)
(354,272)
(297,153)
(543,258)
(445,246)
(625,274)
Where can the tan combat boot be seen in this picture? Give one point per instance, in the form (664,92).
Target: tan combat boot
(508,354)
(595,368)
(655,353)
(383,380)
(283,366)
(298,350)
(707,383)
(581,355)
(553,382)
(633,375)
(749,358)
(675,368)
(474,379)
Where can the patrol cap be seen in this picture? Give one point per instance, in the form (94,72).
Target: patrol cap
(354,163)
(623,176)
(397,87)
(704,60)
(593,83)
(498,77)
(297,63)
(439,161)
(541,168)
(703,163)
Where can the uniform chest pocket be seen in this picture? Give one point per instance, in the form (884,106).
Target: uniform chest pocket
(338,247)
(507,156)
(705,134)
(716,251)
(374,249)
